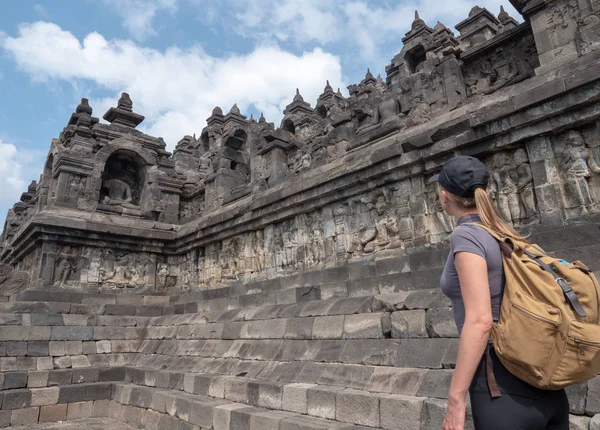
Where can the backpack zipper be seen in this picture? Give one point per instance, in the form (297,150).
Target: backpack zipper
(580,343)
(534,316)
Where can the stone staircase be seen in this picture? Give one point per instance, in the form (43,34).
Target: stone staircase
(367,345)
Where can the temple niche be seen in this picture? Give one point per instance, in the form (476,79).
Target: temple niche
(122,182)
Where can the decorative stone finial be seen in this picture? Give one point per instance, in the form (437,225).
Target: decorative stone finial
(476,10)
(503,16)
(262,119)
(125,103)
(252,117)
(418,22)
(235,109)
(123,114)
(339,92)
(84,107)
(439,27)
(217,111)
(328,88)
(298,97)
(369,75)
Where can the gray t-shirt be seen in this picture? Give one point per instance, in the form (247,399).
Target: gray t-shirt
(471,238)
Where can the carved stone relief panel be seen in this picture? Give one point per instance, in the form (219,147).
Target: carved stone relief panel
(511,187)
(578,169)
(500,67)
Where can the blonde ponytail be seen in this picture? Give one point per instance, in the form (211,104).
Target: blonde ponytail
(491,219)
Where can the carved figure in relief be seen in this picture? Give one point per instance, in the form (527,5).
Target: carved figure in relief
(572,160)
(228,260)
(341,235)
(527,201)
(290,245)
(383,234)
(258,252)
(278,248)
(387,111)
(65,266)
(503,187)
(314,244)
(419,114)
(75,186)
(440,221)
(162,274)
(589,33)
(118,194)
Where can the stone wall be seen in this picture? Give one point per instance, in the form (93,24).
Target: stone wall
(343,181)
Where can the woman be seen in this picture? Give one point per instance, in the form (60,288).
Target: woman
(473,279)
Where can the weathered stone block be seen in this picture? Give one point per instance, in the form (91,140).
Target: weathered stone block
(72,394)
(45,363)
(269,420)
(299,328)
(577,395)
(222,415)
(36,348)
(427,299)
(37,379)
(440,323)
(53,413)
(328,327)
(15,349)
(295,397)
(409,324)
(364,326)
(321,401)
(595,422)
(579,423)
(80,410)
(592,406)
(60,377)
(25,417)
(401,412)
(14,380)
(17,399)
(44,396)
(72,333)
(357,407)
(101,408)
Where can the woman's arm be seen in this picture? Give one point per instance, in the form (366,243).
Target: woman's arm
(472,275)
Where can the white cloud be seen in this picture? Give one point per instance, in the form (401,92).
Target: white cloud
(138,15)
(366,25)
(12,183)
(176,89)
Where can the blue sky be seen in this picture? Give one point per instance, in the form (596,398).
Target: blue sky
(180,58)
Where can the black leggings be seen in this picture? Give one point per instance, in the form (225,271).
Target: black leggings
(521,406)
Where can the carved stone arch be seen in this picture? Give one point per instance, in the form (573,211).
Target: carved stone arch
(126,161)
(237,140)
(288,125)
(322,111)
(414,57)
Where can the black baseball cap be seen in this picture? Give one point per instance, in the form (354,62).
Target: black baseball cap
(462,175)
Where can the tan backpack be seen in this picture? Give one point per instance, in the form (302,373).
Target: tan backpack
(548,333)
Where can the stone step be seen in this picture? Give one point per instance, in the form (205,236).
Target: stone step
(83,424)
(60,377)
(52,404)
(91,299)
(207,412)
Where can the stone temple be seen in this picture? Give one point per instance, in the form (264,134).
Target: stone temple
(286,278)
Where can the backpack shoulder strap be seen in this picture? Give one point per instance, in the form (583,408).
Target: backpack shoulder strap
(506,245)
